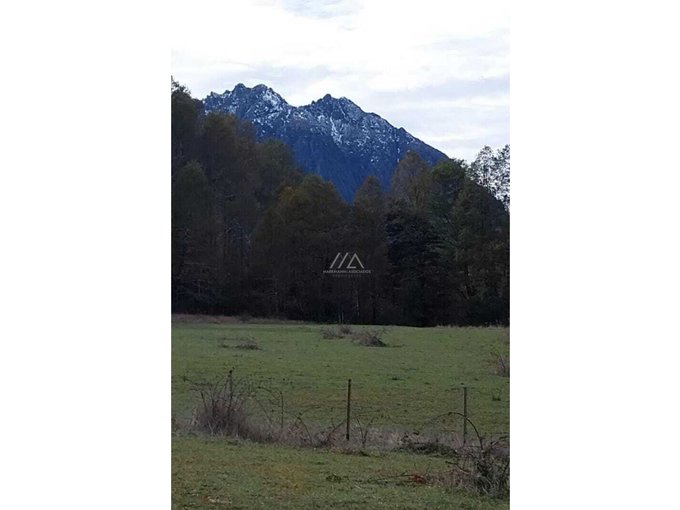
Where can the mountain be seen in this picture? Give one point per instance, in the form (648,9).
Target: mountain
(331,137)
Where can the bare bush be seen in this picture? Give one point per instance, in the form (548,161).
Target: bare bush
(345,329)
(370,338)
(301,434)
(331,333)
(327,436)
(364,429)
(336,332)
(481,465)
(484,467)
(247,343)
(223,408)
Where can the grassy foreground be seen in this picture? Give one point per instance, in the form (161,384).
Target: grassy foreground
(417,377)
(212,473)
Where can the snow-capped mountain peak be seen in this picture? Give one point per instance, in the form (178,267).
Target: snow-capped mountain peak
(331,136)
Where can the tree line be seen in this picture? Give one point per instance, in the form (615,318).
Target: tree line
(252,234)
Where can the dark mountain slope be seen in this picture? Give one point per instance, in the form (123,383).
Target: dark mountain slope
(331,137)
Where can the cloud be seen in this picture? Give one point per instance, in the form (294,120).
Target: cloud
(439,70)
(321,8)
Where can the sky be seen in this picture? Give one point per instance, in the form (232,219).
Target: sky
(438,69)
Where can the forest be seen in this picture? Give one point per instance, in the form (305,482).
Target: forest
(252,233)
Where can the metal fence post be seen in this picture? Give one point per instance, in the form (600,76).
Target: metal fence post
(465,414)
(349,397)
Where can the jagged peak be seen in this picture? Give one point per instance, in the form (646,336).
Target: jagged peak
(328,99)
(259,92)
(335,106)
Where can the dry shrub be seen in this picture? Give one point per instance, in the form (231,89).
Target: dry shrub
(328,436)
(298,433)
(370,338)
(345,329)
(483,466)
(337,332)
(331,333)
(480,465)
(248,344)
(243,342)
(235,407)
(223,408)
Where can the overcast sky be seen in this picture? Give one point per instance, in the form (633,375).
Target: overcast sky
(438,69)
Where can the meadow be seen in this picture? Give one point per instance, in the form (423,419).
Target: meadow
(411,385)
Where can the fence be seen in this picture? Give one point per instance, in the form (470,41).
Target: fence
(225,401)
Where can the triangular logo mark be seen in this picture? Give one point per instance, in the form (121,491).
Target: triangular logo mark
(351,261)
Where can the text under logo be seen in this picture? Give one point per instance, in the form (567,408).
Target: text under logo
(346,264)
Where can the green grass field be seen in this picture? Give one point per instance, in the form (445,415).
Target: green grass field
(417,377)
(212,473)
